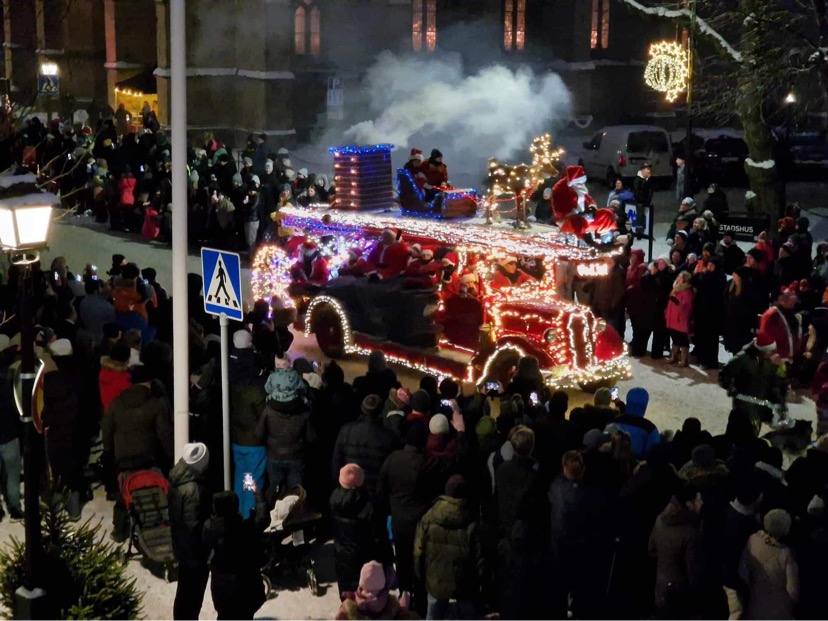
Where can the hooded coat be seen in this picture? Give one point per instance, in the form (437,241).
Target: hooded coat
(113,379)
(189,502)
(643,433)
(447,551)
(772,575)
(284,429)
(367,443)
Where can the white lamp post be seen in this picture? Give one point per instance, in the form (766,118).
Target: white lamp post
(25,223)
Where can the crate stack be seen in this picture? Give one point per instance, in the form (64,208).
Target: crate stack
(363,177)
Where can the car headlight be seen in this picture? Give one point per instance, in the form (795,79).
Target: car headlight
(550,336)
(600,325)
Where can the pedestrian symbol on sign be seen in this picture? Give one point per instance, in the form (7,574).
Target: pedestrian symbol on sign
(222,283)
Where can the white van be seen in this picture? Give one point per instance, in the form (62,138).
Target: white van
(620,150)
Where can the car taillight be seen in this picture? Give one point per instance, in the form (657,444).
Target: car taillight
(622,161)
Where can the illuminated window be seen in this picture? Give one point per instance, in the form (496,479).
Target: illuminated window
(599,35)
(514,24)
(508,30)
(417,26)
(424,13)
(307,31)
(315,33)
(299,34)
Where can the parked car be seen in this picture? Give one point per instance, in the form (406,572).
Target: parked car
(718,159)
(620,150)
(449,330)
(809,153)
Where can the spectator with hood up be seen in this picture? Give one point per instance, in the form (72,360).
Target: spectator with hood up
(643,433)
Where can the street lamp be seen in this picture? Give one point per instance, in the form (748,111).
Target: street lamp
(25,223)
(48,69)
(790,98)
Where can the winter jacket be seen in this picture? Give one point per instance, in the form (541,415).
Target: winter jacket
(643,190)
(402,488)
(447,551)
(655,292)
(349,610)
(676,546)
(785,329)
(359,535)
(518,491)
(247,404)
(62,421)
(189,501)
(739,525)
(689,216)
(284,429)
(644,434)
(94,313)
(113,379)
(679,312)
(137,427)
(367,443)
(234,546)
(772,576)
(126,188)
(577,519)
(750,373)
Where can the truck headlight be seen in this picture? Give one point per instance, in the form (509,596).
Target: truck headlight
(550,336)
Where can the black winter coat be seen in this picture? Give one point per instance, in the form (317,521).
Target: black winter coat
(518,491)
(655,291)
(285,430)
(359,535)
(367,443)
(403,490)
(234,546)
(643,190)
(189,502)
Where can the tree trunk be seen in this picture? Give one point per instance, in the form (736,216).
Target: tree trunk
(765,182)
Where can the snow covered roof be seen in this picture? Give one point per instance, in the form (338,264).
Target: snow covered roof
(6,181)
(22,191)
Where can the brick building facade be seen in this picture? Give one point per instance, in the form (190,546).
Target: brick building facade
(267,65)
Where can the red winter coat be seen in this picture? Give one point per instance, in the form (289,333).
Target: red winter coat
(113,379)
(152,224)
(360,268)
(319,274)
(679,316)
(389,261)
(126,187)
(436,174)
(788,339)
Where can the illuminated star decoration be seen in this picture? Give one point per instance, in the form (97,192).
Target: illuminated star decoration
(668,70)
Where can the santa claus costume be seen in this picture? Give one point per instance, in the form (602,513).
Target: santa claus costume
(571,204)
(312,267)
(783,325)
(415,162)
(503,279)
(388,260)
(355,265)
(423,271)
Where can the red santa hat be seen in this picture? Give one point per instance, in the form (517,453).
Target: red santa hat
(307,247)
(427,254)
(416,250)
(450,259)
(469,279)
(764,342)
(506,260)
(575,175)
(790,290)
(416,154)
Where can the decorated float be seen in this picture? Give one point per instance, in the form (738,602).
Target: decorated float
(456,299)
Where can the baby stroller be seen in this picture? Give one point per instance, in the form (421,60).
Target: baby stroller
(289,539)
(145,497)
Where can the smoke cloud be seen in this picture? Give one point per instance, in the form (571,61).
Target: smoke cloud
(431,103)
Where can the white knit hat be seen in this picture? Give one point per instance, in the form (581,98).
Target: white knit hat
(196,456)
(438,424)
(242,339)
(61,347)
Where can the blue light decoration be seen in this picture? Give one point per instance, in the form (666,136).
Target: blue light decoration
(358,150)
(432,213)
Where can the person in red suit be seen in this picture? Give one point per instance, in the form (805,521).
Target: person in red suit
(312,267)
(415,162)
(508,274)
(783,325)
(356,265)
(424,265)
(575,210)
(389,256)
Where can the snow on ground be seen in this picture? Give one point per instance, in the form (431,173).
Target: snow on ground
(674,395)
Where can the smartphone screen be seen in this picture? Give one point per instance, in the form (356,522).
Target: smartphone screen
(446,403)
(247,482)
(533,397)
(491,386)
(614,393)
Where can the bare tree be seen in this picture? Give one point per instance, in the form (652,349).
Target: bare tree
(763,50)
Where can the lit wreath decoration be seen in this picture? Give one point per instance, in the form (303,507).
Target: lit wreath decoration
(668,70)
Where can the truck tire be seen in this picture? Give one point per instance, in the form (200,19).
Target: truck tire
(330,333)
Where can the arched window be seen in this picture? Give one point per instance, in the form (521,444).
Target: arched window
(424,25)
(299,31)
(514,24)
(307,29)
(599,37)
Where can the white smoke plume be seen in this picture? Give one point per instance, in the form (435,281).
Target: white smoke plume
(430,103)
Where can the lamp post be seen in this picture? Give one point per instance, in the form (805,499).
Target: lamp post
(688,160)
(25,222)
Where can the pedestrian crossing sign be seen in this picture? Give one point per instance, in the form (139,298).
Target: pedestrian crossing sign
(48,85)
(221,272)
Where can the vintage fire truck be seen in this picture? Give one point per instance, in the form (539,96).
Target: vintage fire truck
(475,333)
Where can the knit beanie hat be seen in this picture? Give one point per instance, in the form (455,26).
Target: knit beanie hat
(282,362)
(456,486)
(778,523)
(404,395)
(595,439)
(197,456)
(284,385)
(372,405)
(486,427)
(703,456)
(603,397)
(351,476)
(438,424)
(420,401)
(371,596)
(242,339)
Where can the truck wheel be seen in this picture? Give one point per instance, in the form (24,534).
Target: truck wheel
(500,366)
(330,333)
(592,387)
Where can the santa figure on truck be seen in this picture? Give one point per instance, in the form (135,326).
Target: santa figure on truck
(575,210)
